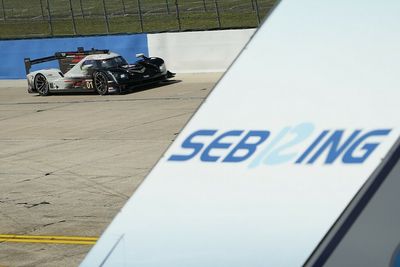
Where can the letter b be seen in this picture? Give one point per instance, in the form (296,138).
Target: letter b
(249,148)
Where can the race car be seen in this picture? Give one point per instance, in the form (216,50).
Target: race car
(101,71)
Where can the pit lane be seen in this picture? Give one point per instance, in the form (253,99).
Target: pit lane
(69,162)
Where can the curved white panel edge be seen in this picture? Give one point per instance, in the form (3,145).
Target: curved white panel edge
(278,149)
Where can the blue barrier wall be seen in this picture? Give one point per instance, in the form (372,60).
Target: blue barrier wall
(13,52)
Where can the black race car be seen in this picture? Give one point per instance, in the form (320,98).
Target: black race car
(97,70)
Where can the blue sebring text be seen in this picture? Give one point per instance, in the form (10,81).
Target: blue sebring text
(287,146)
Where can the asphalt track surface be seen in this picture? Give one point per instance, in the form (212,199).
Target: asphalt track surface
(69,162)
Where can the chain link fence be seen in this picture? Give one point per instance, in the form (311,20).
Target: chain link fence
(41,18)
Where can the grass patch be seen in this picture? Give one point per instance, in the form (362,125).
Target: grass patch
(24,19)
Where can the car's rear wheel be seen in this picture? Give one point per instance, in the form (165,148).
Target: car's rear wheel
(100,83)
(41,85)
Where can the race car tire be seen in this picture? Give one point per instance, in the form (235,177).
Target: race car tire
(41,85)
(100,81)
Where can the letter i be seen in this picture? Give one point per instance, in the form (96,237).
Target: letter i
(311,148)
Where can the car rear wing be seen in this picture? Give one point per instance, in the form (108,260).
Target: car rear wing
(66,60)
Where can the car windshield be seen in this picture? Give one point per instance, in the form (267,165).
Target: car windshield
(113,62)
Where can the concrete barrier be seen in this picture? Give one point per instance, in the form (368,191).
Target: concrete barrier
(184,52)
(208,51)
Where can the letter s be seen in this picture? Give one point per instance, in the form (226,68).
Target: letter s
(192,145)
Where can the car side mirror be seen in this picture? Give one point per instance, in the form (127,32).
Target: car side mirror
(141,55)
(87,67)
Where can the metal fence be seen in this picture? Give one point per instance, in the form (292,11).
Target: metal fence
(22,18)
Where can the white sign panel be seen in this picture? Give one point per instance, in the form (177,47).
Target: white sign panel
(279,148)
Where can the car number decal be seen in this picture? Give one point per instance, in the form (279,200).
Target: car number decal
(89,84)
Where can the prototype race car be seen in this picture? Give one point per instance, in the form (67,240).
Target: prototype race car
(101,71)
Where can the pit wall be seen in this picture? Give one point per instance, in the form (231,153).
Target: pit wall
(184,52)
(208,51)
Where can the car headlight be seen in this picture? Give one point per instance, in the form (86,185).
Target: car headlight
(163,68)
(117,75)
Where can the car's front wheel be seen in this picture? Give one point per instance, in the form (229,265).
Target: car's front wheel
(100,83)
(41,85)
